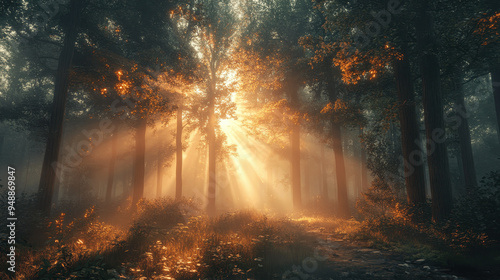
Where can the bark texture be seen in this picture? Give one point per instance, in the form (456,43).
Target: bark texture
(437,154)
(410,136)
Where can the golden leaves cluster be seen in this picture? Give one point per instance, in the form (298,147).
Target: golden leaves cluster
(274,122)
(364,65)
(488,28)
(256,73)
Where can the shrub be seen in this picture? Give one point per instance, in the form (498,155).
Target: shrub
(475,220)
(379,201)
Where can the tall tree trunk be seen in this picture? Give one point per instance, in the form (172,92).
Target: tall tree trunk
(357,166)
(460,176)
(295,166)
(346,149)
(307,180)
(410,136)
(159,175)
(437,155)
(57,187)
(343,198)
(178,165)
(48,175)
(469,168)
(364,169)
(324,178)
(212,179)
(139,161)
(111,169)
(293,97)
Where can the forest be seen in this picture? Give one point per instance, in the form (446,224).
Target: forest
(250,139)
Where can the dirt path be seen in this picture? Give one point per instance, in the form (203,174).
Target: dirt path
(336,257)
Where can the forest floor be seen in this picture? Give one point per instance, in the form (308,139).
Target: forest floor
(357,259)
(338,254)
(162,241)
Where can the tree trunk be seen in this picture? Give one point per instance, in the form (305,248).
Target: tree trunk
(437,155)
(178,166)
(410,136)
(57,188)
(293,97)
(295,166)
(460,177)
(139,161)
(212,180)
(111,169)
(324,178)
(159,174)
(343,199)
(307,181)
(357,166)
(347,153)
(364,170)
(48,175)
(469,168)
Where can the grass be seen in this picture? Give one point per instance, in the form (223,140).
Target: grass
(165,240)
(464,252)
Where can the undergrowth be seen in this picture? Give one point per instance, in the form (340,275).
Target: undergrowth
(166,239)
(469,239)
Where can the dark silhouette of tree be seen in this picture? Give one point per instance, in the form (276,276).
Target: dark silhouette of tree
(410,138)
(48,175)
(437,155)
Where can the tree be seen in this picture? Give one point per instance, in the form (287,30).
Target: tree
(467,158)
(159,169)
(213,35)
(278,65)
(139,160)
(410,138)
(437,155)
(138,62)
(47,180)
(178,147)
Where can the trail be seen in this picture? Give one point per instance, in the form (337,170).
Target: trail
(338,257)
